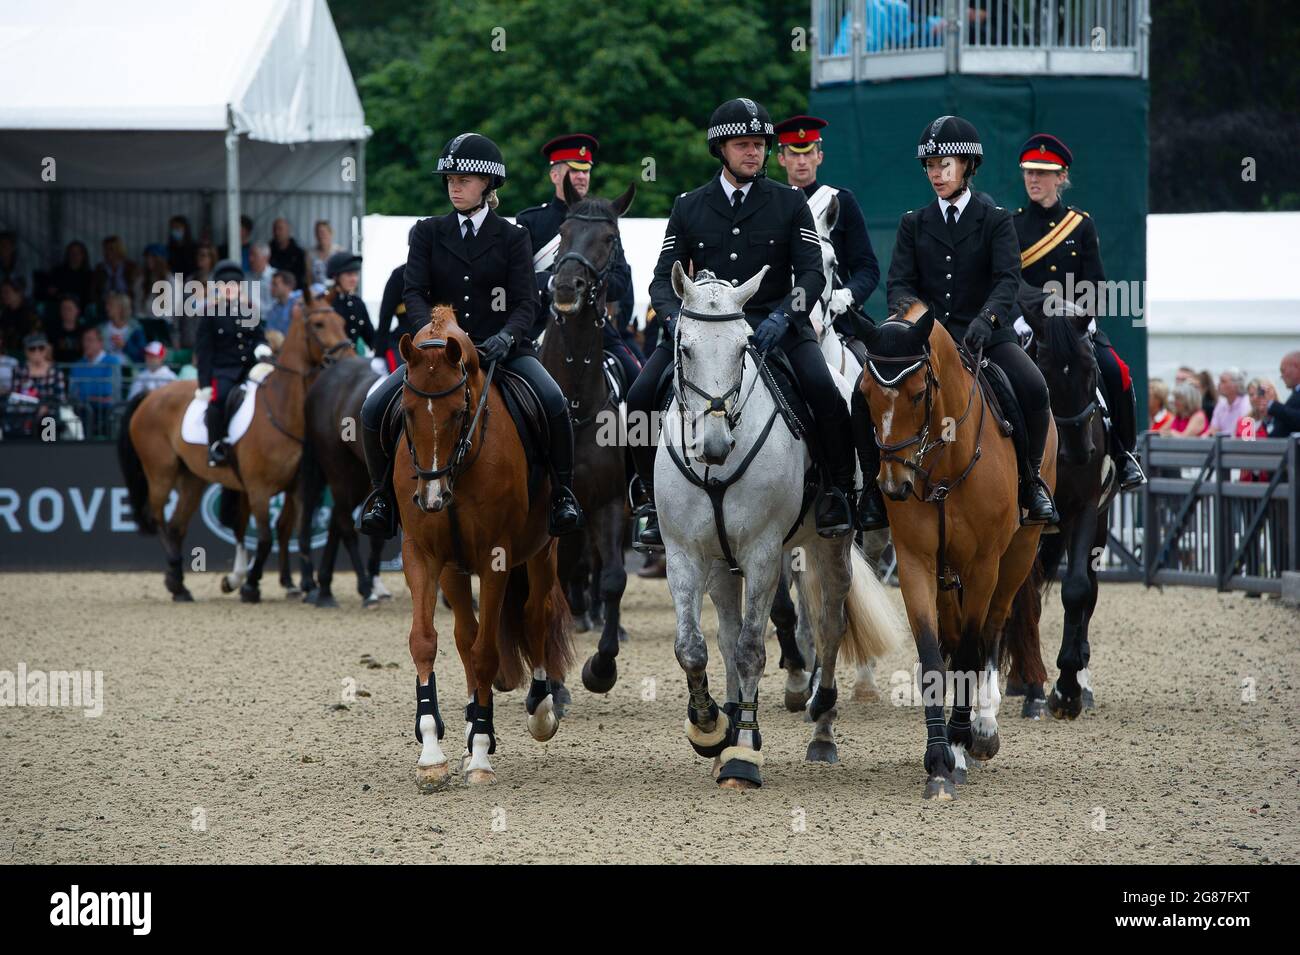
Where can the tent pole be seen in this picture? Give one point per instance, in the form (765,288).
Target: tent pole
(359,195)
(233,250)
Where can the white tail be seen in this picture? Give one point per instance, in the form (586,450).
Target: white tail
(874,627)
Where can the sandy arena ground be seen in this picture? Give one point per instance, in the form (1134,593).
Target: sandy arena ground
(219,742)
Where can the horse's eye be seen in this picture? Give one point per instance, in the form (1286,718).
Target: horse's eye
(686,351)
(916,398)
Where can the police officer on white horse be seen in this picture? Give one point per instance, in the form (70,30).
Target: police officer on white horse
(733,225)
(466,258)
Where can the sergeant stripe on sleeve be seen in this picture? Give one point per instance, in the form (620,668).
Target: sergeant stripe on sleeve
(809,234)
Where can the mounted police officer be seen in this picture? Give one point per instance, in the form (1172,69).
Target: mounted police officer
(225,348)
(466,258)
(857,273)
(572,157)
(732,226)
(959,256)
(344,270)
(1058,243)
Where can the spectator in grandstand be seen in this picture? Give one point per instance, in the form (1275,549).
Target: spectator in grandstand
(181,247)
(121,333)
(1158,404)
(245,240)
(1209,395)
(159,293)
(1189,418)
(284,296)
(1232,406)
(1285,411)
(73,275)
(11,269)
(286,253)
(95,381)
(155,372)
(17,317)
(260,272)
(64,329)
(39,380)
(116,274)
(320,252)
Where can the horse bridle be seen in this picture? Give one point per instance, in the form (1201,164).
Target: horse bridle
(327,359)
(468,427)
(717,403)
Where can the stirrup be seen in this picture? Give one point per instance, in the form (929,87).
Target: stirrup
(218,453)
(651,520)
(377,514)
(1028,519)
(560,498)
(841,500)
(1137,477)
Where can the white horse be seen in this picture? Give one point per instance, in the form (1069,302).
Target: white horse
(729,488)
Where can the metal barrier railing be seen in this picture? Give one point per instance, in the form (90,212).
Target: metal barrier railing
(862,40)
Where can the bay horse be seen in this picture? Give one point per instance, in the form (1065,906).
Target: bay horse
(724,421)
(573,352)
(333,456)
(950,482)
(156,460)
(1086,483)
(463,496)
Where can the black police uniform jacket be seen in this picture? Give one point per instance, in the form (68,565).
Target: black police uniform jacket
(774,226)
(488,279)
(225,343)
(393,323)
(355,315)
(1077,255)
(973,271)
(543,224)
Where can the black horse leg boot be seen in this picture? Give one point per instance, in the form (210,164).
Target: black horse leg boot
(377,516)
(871,505)
(566,515)
(1034,496)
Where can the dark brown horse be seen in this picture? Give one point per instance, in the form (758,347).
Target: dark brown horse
(462,487)
(950,482)
(573,352)
(155,459)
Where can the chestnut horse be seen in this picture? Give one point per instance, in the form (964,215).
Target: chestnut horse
(466,508)
(950,482)
(155,459)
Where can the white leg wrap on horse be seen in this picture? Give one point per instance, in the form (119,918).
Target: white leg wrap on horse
(431,753)
(743,753)
(701,738)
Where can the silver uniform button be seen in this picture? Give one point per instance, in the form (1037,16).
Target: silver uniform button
(735,281)
(948,276)
(467,298)
(947,258)
(947,295)
(736,230)
(467,278)
(701,245)
(733,256)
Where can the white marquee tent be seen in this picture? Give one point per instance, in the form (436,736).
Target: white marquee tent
(118,115)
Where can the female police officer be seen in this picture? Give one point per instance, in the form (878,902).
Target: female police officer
(464,259)
(959,255)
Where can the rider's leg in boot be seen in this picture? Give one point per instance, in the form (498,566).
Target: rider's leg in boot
(834,509)
(1123,417)
(215,418)
(641,403)
(566,515)
(379,511)
(1034,496)
(871,504)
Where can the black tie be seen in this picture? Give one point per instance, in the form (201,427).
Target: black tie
(469,229)
(952,218)
(737,198)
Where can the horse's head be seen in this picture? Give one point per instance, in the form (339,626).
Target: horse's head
(825,221)
(324,335)
(899,384)
(589,244)
(1063,351)
(441,365)
(712,336)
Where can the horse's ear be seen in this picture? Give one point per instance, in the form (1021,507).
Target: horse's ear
(924,324)
(571,197)
(680,283)
(832,213)
(405,348)
(454,351)
(624,202)
(870,334)
(745,292)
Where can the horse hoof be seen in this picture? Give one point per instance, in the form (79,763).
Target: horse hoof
(227,587)
(940,789)
(543,722)
(984,747)
(432,778)
(1088,702)
(250,594)
(594,677)
(326,602)
(1064,708)
(1014,687)
(739,774)
(182,596)
(562,698)
(822,751)
(865,692)
(1033,709)
(716,768)
(480,777)
(796,700)
(292,593)
(582,624)
(370,603)
(311,596)
(959,777)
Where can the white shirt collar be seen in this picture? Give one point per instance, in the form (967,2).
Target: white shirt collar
(962,201)
(729,189)
(477,218)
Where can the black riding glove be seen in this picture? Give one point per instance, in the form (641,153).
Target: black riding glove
(770,331)
(978,334)
(496,347)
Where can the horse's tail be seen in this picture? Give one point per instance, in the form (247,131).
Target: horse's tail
(512,640)
(1023,658)
(137,482)
(873,625)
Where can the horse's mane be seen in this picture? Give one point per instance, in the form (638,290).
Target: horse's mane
(594,205)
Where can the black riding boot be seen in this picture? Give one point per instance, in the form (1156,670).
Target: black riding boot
(835,505)
(871,514)
(1124,434)
(378,513)
(647,540)
(566,515)
(1034,496)
(218,446)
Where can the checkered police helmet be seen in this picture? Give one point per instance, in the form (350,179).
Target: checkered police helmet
(475,155)
(951,136)
(739,117)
